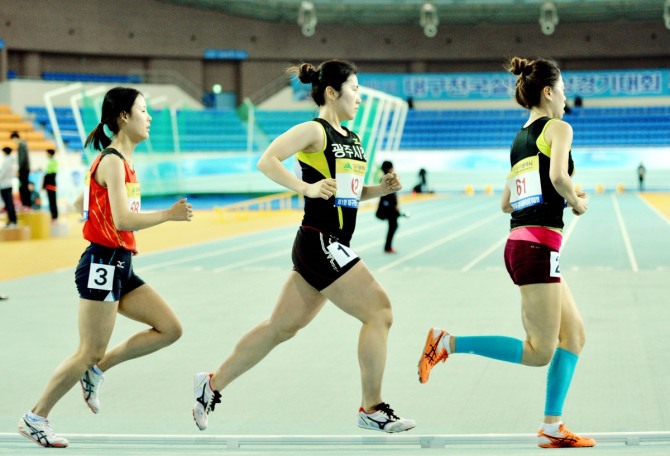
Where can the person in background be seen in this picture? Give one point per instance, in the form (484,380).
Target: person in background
(388,210)
(332,170)
(538,187)
(24,169)
(35,198)
(105,279)
(422,186)
(49,183)
(641,173)
(7,173)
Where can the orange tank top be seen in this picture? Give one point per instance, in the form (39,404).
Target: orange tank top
(99,227)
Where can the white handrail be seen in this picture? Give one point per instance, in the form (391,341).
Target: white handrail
(74,103)
(51,112)
(423,441)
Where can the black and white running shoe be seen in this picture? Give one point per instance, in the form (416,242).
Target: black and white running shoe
(40,432)
(90,385)
(384,419)
(205,399)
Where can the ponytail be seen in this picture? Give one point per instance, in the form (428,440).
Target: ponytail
(98,138)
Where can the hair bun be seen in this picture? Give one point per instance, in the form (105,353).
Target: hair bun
(520,66)
(308,73)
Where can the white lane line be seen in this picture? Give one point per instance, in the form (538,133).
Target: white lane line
(422,227)
(254,259)
(282,251)
(369,245)
(436,222)
(212,253)
(232,237)
(418,217)
(570,229)
(624,234)
(495,246)
(437,243)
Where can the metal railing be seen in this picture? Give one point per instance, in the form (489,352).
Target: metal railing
(270,89)
(169,77)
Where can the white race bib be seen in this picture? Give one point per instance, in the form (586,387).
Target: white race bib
(341,253)
(524,183)
(134,198)
(554,267)
(101,276)
(350,175)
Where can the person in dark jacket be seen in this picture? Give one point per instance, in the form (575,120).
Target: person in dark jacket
(388,210)
(24,169)
(49,184)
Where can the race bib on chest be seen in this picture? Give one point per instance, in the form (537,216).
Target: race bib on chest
(524,183)
(341,253)
(349,175)
(134,199)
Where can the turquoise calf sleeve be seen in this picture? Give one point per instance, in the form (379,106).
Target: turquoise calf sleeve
(497,347)
(559,377)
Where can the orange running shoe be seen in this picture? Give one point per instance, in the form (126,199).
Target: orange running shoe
(564,438)
(433,353)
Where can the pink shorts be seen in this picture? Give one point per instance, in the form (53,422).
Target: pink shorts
(531,255)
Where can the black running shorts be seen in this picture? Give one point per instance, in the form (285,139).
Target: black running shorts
(319,258)
(105,273)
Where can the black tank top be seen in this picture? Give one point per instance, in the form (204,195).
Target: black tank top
(530,141)
(321,214)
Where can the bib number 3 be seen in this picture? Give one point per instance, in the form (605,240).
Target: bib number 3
(342,254)
(101,276)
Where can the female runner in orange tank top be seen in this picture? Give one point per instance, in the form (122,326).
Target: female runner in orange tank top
(105,279)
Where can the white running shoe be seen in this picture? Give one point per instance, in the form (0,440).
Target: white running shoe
(205,399)
(90,385)
(383,419)
(40,432)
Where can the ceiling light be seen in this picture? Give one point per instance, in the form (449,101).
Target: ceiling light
(428,19)
(548,18)
(307,18)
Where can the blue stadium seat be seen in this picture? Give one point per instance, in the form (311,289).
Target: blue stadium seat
(490,128)
(222,129)
(86,77)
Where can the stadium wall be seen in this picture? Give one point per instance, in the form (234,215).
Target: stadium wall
(99,36)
